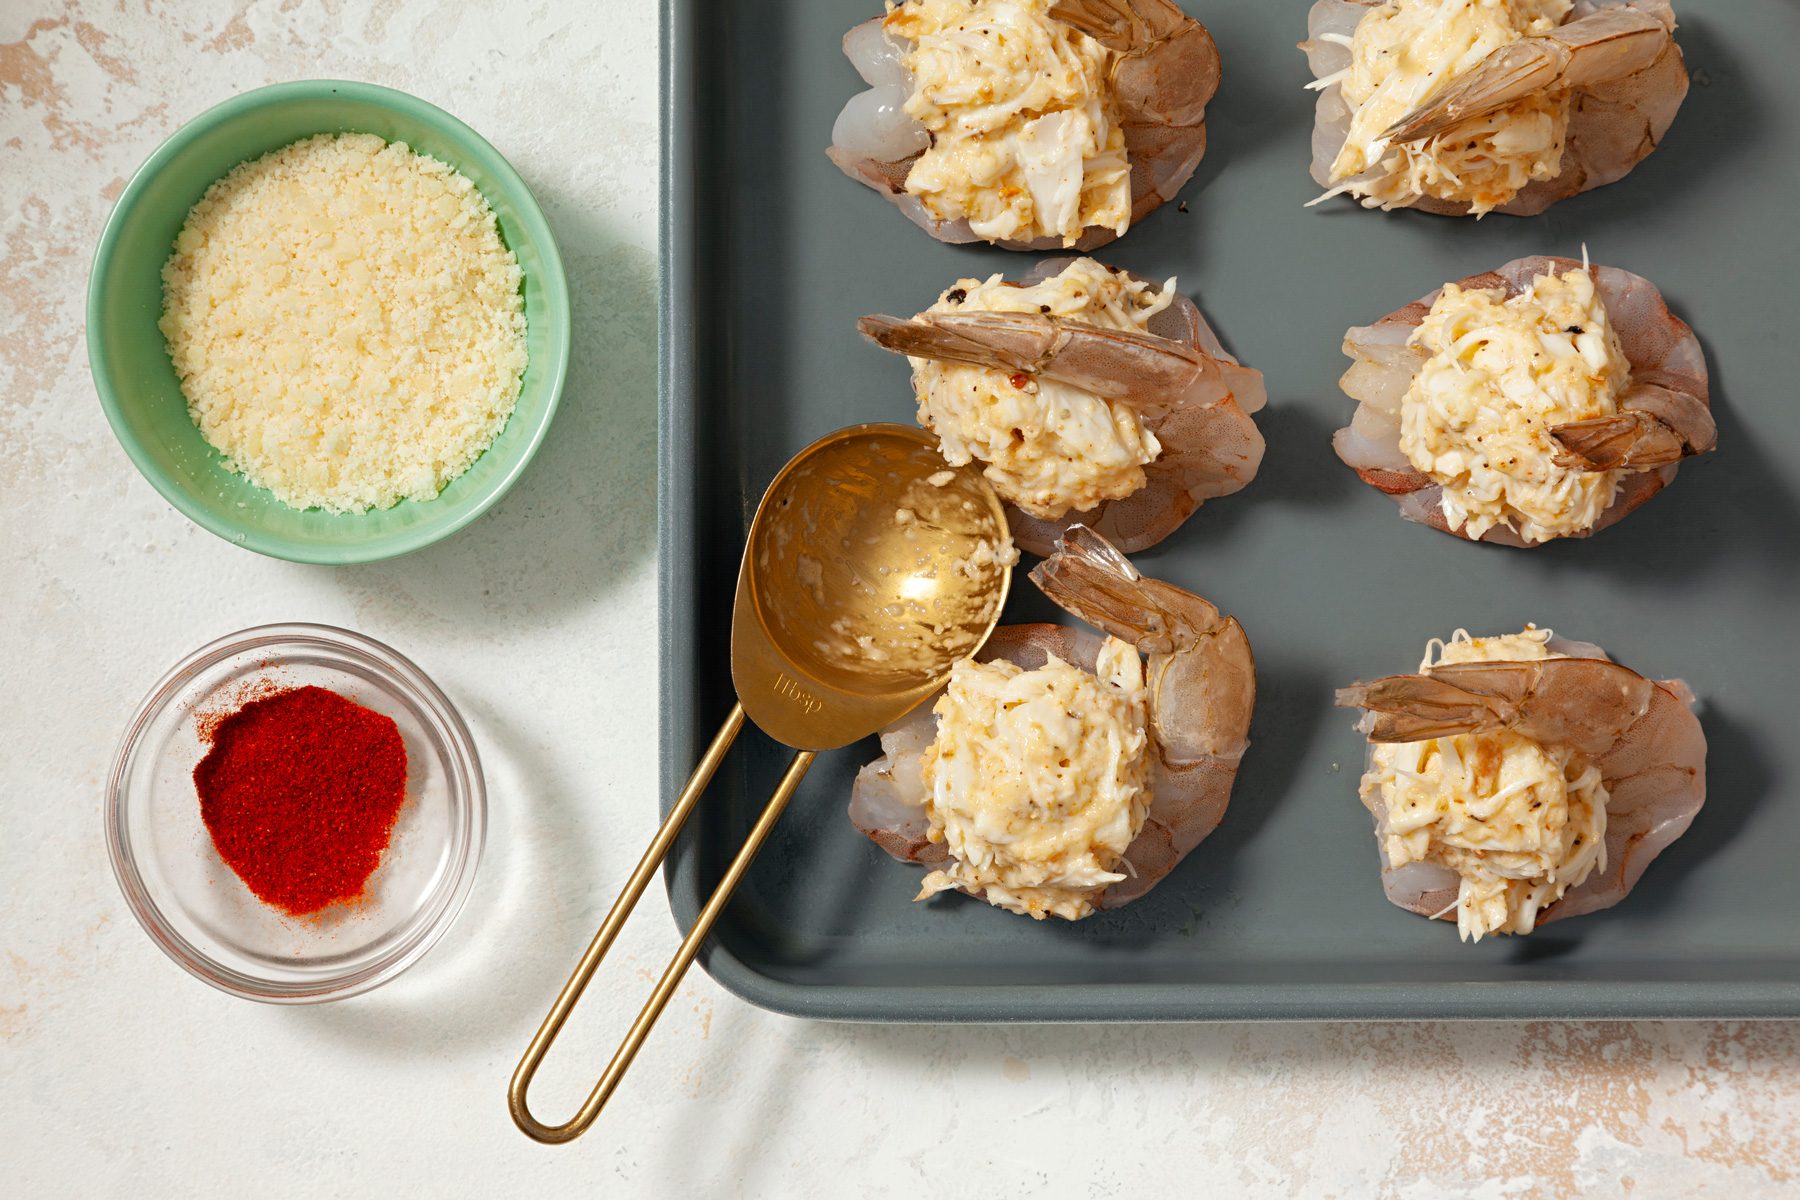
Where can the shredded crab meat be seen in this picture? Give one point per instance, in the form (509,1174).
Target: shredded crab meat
(1405,53)
(1048,447)
(1501,374)
(1025,137)
(1519,822)
(1038,781)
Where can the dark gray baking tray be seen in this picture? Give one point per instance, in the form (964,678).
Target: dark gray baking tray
(769,255)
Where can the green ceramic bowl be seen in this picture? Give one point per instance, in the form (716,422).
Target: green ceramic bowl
(136,380)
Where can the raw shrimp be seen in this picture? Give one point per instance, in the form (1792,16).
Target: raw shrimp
(1202,682)
(1188,391)
(1664,415)
(1618,57)
(1166,70)
(1641,734)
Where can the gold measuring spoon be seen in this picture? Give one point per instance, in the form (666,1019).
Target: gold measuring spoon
(869,571)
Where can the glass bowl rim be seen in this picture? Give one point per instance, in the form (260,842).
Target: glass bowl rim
(468,796)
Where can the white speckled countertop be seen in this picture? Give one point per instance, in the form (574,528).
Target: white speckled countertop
(119,1074)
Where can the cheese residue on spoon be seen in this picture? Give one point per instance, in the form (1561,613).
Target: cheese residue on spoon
(1049,447)
(1406,53)
(1038,781)
(1519,822)
(1501,374)
(1025,142)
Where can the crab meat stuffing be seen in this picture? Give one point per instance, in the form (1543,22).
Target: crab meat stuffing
(1039,780)
(1502,373)
(1025,141)
(1408,51)
(1048,446)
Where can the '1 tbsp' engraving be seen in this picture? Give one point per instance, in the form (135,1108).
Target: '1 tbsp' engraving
(799,695)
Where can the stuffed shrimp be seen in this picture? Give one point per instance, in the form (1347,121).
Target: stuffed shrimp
(1544,400)
(1477,106)
(1090,396)
(1521,779)
(1061,772)
(1032,124)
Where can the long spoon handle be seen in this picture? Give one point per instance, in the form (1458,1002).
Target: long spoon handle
(615,920)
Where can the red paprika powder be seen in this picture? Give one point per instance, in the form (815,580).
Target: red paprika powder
(300,791)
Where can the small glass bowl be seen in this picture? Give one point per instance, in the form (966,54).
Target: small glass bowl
(196,908)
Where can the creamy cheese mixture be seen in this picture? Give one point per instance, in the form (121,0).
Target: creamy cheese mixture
(1406,53)
(1519,822)
(1501,374)
(1039,780)
(1025,143)
(1049,447)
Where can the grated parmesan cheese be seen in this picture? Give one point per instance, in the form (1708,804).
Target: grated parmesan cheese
(347,325)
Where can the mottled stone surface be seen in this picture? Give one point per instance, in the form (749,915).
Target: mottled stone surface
(120,1075)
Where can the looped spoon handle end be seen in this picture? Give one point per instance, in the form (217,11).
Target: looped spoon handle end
(653,858)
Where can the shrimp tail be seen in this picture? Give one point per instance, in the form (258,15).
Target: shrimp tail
(1167,71)
(1655,426)
(1586,703)
(1200,669)
(1611,44)
(1606,45)
(1089,578)
(1149,373)
(1508,74)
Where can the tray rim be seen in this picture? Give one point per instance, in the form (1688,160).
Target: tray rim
(1088,1003)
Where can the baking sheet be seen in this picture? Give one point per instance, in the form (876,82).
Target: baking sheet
(770,254)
